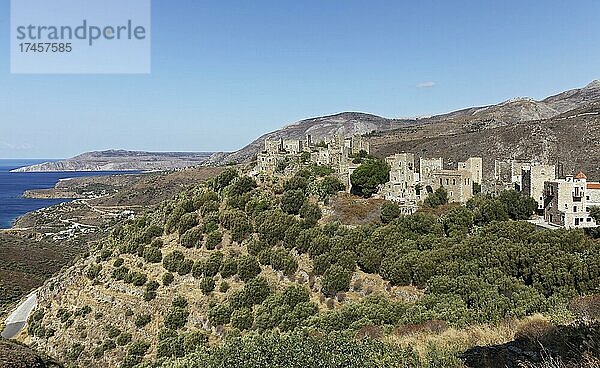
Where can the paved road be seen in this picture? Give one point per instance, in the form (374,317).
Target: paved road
(12,330)
(18,318)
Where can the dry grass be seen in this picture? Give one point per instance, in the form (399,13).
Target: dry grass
(533,328)
(423,337)
(551,362)
(453,339)
(351,210)
(586,307)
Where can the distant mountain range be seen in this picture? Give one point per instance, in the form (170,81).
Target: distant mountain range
(563,129)
(120,160)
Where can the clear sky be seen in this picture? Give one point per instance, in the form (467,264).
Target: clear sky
(224,72)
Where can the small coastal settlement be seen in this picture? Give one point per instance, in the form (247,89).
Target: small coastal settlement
(564,201)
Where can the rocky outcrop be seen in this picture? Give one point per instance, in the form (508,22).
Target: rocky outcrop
(571,346)
(14,355)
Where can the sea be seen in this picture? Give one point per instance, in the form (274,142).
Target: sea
(13,185)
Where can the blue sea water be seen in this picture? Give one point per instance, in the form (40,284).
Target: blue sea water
(12,186)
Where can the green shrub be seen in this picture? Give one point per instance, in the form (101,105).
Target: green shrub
(176,318)
(220,314)
(93,271)
(192,238)
(120,273)
(335,279)
(207,285)
(242,319)
(138,348)
(179,302)
(389,212)
(185,267)
(130,361)
(311,213)
(212,264)
(228,267)
(172,261)
(213,239)
(241,185)
(224,286)
(138,278)
(194,340)
(256,246)
(295,294)
(123,339)
(186,222)
(112,331)
(248,267)
(437,198)
(152,254)
(142,320)
(283,260)
(255,291)
(368,176)
(170,346)
(209,208)
(292,201)
(74,352)
(167,279)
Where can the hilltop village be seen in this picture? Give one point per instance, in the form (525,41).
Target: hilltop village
(561,202)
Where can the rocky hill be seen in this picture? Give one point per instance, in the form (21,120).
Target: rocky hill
(120,160)
(526,109)
(347,123)
(519,129)
(232,272)
(392,132)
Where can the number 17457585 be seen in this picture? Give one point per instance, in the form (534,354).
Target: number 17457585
(40,47)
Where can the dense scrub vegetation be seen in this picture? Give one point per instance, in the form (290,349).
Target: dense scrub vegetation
(473,264)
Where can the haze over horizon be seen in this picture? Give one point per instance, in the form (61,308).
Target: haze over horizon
(221,78)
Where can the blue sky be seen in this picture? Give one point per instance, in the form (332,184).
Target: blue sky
(224,72)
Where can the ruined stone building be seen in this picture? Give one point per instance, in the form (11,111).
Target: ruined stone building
(273,146)
(458,184)
(427,166)
(508,172)
(293,146)
(567,201)
(474,165)
(356,144)
(335,152)
(277,151)
(533,178)
(406,186)
(403,178)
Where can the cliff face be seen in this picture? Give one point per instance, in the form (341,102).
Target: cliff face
(118,160)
